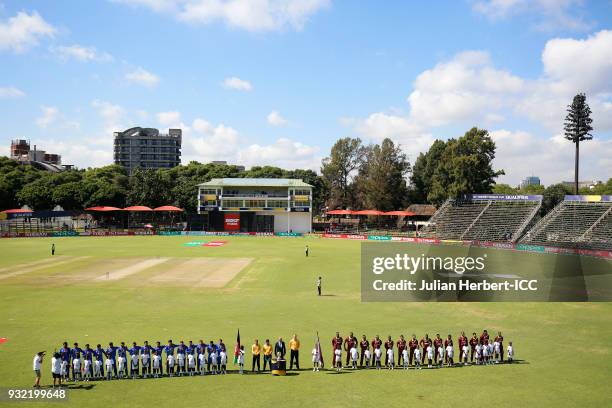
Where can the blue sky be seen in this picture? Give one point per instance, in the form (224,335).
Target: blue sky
(277,82)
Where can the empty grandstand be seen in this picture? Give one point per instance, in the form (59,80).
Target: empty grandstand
(582,222)
(484,217)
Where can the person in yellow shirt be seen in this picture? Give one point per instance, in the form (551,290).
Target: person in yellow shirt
(267,358)
(256,351)
(294,345)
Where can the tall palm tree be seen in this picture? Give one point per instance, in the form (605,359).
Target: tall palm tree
(578,127)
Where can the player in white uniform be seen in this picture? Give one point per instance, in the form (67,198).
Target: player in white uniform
(76,369)
(417,358)
(109,368)
(316,359)
(377,355)
(180,358)
(429,355)
(156,363)
(191,363)
(450,352)
(122,370)
(405,357)
(490,350)
(214,368)
(170,362)
(97,369)
(241,360)
(338,354)
(354,357)
(202,359)
(485,353)
(86,369)
(390,359)
(223,361)
(146,360)
(496,351)
(134,365)
(510,352)
(464,352)
(440,356)
(367,356)
(479,354)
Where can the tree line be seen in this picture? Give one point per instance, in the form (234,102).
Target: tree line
(354,175)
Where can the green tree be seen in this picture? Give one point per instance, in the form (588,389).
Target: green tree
(578,127)
(149,187)
(465,167)
(381,183)
(552,196)
(337,170)
(504,189)
(532,189)
(423,171)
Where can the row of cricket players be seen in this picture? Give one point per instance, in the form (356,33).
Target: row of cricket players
(113,362)
(413,353)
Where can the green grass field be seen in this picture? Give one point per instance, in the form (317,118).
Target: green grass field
(565,347)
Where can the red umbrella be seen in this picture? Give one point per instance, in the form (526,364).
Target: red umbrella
(138,208)
(103,208)
(400,213)
(17,211)
(340,212)
(368,212)
(168,208)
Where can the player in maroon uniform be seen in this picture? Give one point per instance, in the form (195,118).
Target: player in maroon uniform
(388,345)
(425,342)
(463,341)
(437,343)
(412,345)
(336,344)
(401,346)
(447,342)
(364,345)
(349,342)
(484,337)
(500,339)
(473,344)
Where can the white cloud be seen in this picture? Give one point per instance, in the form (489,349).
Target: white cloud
(523,154)
(548,15)
(237,84)
(250,15)
(11,92)
(143,77)
(462,89)
(49,115)
(275,119)
(469,90)
(205,142)
(24,31)
(168,118)
(80,53)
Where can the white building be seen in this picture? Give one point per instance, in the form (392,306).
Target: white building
(256,205)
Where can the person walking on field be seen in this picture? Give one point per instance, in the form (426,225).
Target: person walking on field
(306,250)
(52,249)
(319,285)
(37,364)
(294,346)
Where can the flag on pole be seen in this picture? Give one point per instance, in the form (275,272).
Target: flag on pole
(318,347)
(237,348)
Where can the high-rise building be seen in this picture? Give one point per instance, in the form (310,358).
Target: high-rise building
(147,148)
(530,181)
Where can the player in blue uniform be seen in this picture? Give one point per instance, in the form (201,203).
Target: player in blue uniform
(134,362)
(88,355)
(158,349)
(111,354)
(75,353)
(122,351)
(211,348)
(169,350)
(99,355)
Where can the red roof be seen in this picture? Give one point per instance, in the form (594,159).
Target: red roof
(400,213)
(17,211)
(167,208)
(368,212)
(103,208)
(340,212)
(138,208)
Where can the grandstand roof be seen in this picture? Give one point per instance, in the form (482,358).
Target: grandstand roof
(254,182)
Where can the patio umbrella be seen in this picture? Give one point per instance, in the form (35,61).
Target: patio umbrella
(169,208)
(340,212)
(368,212)
(102,208)
(135,208)
(400,213)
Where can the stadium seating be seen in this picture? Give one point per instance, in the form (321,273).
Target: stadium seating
(575,223)
(483,218)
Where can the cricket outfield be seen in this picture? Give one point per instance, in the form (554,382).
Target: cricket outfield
(96,290)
